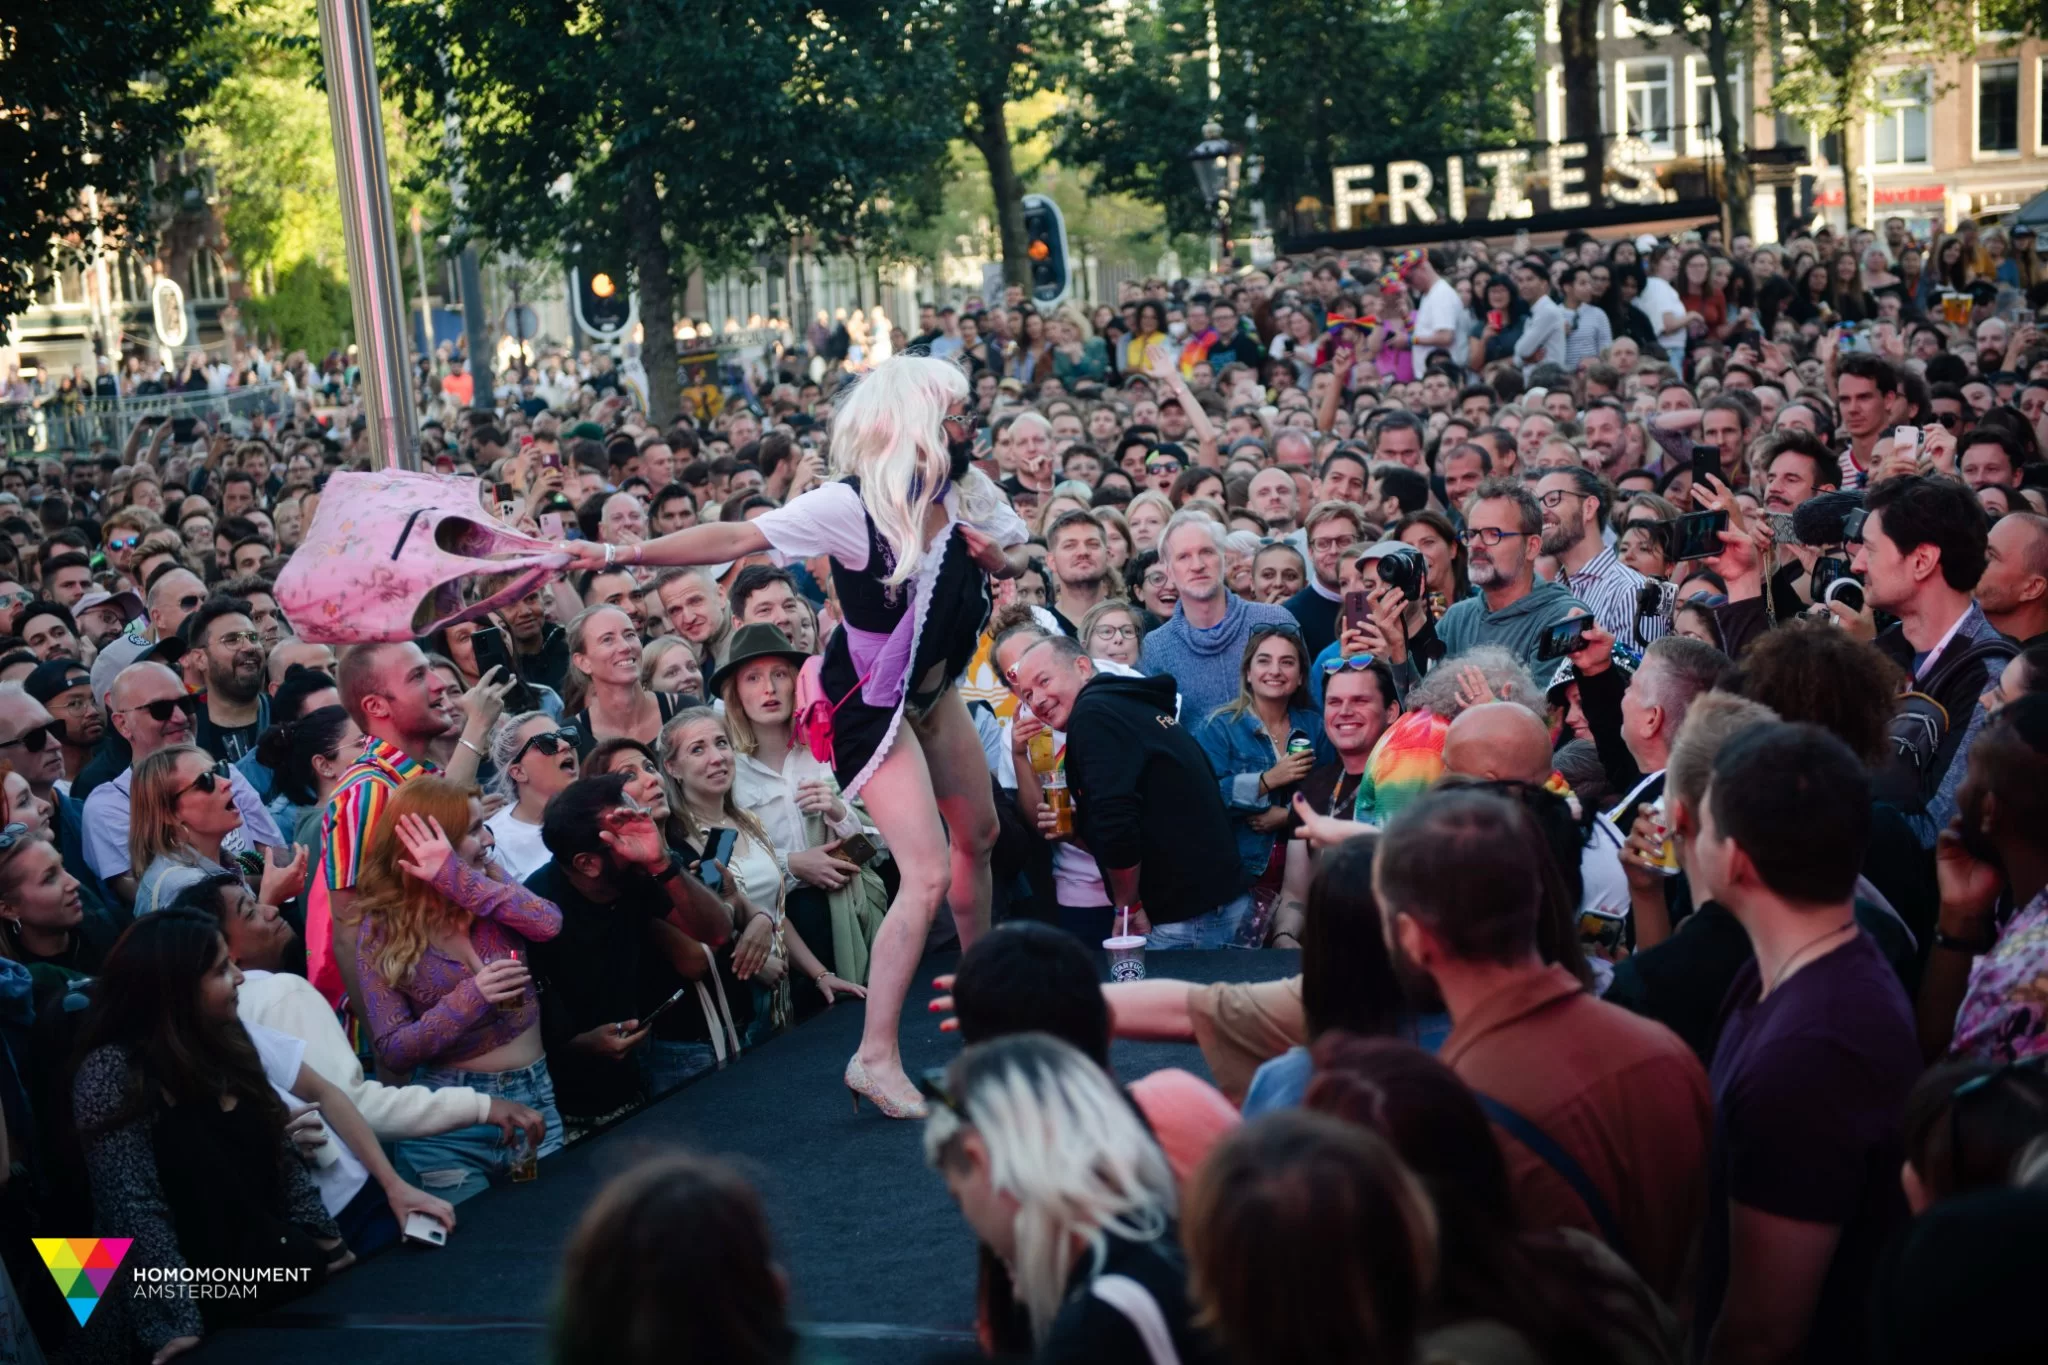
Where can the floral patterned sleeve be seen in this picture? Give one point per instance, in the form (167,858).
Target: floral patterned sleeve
(120,1163)
(403,1039)
(507,904)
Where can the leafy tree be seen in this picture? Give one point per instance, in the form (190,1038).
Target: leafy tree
(1827,53)
(1725,31)
(676,135)
(95,92)
(308,311)
(1432,75)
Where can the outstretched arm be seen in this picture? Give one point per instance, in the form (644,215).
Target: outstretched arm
(718,542)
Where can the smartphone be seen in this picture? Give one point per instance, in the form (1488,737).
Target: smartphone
(1698,535)
(425,1230)
(1357,607)
(1600,929)
(1906,442)
(858,849)
(648,1021)
(551,459)
(551,525)
(492,650)
(504,492)
(182,428)
(1782,528)
(717,849)
(1565,638)
(1706,464)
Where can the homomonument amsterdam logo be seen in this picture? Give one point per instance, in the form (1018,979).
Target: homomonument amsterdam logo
(83,1267)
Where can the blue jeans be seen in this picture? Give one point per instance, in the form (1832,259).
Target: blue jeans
(1217,929)
(664,1066)
(461,1162)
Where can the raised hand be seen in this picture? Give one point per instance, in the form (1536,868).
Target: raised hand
(426,846)
(282,881)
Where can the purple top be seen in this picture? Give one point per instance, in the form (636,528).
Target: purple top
(439,1014)
(831,520)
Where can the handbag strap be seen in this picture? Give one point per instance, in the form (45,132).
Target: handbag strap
(1142,1311)
(1547,1149)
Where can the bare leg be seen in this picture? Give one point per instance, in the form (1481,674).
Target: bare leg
(900,801)
(960,780)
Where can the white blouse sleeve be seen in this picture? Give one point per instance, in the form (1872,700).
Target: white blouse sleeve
(828,520)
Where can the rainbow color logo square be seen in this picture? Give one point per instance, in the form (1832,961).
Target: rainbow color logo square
(83,1267)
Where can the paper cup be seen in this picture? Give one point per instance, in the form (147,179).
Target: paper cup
(1126,957)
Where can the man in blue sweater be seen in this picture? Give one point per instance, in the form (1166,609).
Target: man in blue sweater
(1202,647)
(1503,537)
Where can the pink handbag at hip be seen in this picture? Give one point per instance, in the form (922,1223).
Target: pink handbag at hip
(388,551)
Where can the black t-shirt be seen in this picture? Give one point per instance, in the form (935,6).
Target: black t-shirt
(1810,1087)
(1090,1331)
(599,970)
(227,743)
(548,666)
(1329,790)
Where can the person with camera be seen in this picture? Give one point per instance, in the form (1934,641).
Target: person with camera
(1504,529)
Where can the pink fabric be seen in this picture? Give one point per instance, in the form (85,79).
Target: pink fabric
(388,553)
(1188,1115)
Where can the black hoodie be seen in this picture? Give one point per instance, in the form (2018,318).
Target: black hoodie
(1144,793)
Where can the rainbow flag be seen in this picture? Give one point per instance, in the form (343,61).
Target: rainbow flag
(83,1267)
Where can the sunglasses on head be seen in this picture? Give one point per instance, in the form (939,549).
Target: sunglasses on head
(1351,663)
(32,740)
(549,742)
(932,1085)
(209,781)
(160,711)
(13,836)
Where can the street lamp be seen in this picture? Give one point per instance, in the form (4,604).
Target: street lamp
(1216,161)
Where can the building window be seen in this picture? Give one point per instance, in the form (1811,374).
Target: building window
(1899,128)
(1646,101)
(1998,108)
(1708,118)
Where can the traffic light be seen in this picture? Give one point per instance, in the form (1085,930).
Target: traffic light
(1045,234)
(605,307)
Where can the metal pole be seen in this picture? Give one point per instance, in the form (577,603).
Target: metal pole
(374,290)
(419,265)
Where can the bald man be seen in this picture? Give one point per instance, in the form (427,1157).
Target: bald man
(1506,742)
(288,651)
(1501,741)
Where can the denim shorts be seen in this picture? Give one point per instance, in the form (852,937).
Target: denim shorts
(1217,929)
(664,1066)
(463,1161)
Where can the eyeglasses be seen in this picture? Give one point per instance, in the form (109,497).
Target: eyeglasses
(123,542)
(190,602)
(1556,496)
(1951,420)
(1162,466)
(219,775)
(77,706)
(1115,632)
(1354,663)
(1488,536)
(236,639)
(32,740)
(160,711)
(549,742)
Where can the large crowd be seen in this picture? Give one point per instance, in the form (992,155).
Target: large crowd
(1617,668)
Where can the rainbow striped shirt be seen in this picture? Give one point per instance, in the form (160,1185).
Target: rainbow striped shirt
(359,798)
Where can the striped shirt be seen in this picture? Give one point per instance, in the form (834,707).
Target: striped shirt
(359,798)
(1591,333)
(1609,588)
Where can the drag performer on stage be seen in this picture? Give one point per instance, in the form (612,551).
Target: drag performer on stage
(911,528)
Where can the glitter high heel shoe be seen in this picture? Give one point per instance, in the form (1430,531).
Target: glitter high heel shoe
(859,1083)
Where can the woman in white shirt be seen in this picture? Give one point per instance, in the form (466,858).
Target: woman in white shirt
(696,750)
(1659,302)
(534,758)
(798,803)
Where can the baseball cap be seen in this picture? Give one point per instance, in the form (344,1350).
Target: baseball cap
(129,647)
(128,603)
(53,677)
(1646,242)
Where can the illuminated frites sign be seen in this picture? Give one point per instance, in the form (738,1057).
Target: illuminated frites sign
(1501,184)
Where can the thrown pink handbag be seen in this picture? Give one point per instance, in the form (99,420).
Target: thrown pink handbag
(814,708)
(387,553)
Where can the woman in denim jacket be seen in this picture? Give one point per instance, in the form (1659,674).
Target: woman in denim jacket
(1260,746)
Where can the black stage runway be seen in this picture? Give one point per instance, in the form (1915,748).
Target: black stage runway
(881,1267)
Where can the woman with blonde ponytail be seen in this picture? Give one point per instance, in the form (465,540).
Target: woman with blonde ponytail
(913,531)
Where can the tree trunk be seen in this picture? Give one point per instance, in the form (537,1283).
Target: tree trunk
(1736,182)
(655,280)
(1578,52)
(991,137)
(1850,136)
